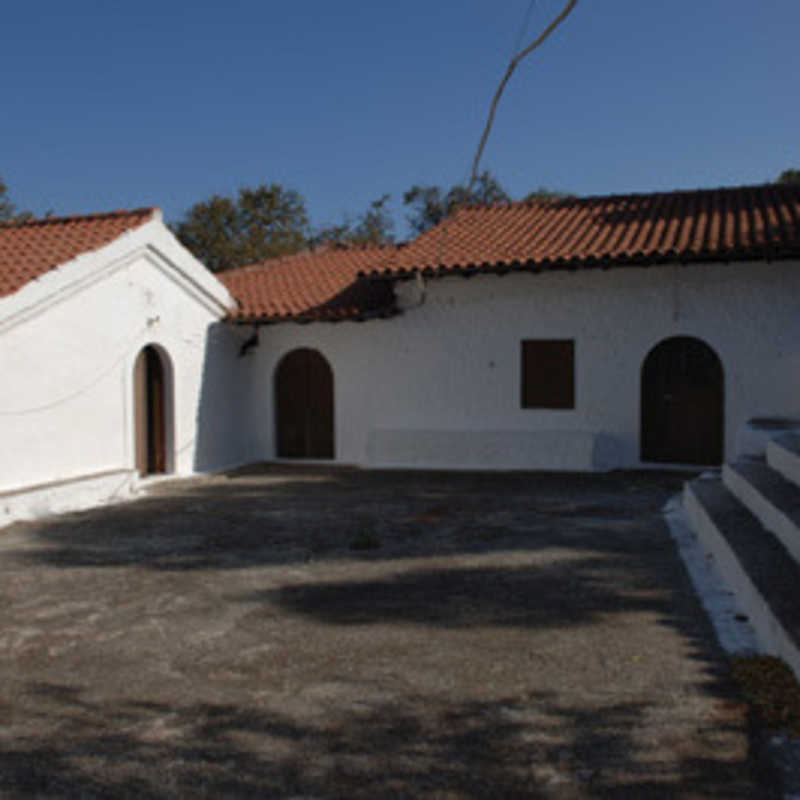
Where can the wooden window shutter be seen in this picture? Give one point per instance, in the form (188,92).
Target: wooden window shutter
(548,373)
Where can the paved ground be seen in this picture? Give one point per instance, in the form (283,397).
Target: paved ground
(333,633)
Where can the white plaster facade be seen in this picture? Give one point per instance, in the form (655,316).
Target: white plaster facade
(68,343)
(439,385)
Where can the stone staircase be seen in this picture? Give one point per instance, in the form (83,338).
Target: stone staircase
(749,520)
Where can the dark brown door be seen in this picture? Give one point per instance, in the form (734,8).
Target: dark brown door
(682,403)
(304,405)
(150,412)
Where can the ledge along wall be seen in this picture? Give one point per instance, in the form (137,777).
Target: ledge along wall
(439,386)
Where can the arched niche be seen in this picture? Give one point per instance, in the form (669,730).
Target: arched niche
(153,411)
(304,417)
(682,403)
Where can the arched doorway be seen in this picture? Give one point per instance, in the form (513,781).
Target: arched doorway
(304,405)
(682,397)
(152,382)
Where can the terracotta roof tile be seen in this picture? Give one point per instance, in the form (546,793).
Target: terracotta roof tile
(30,249)
(736,224)
(313,285)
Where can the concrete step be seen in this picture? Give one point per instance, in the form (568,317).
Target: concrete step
(754,436)
(783,455)
(770,497)
(755,565)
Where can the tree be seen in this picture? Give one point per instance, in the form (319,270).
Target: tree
(543,193)
(8,211)
(430,204)
(374,226)
(261,223)
(789,176)
(6,206)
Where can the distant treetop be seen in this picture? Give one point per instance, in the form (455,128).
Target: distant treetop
(789,176)
(430,204)
(9,215)
(260,223)
(374,226)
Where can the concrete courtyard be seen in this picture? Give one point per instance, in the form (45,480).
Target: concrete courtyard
(332,633)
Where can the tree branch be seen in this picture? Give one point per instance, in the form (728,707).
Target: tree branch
(511,67)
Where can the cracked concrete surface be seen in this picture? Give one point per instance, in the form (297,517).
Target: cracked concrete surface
(325,633)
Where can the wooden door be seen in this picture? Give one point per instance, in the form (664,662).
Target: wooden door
(150,412)
(682,397)
(304,405)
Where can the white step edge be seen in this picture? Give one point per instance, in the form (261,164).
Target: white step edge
(772,518)
(771,636)
(784,460)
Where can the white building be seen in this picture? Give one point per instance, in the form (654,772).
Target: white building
(578,334)
(111,352)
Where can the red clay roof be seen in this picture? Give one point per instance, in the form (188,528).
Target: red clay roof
(310,286)
(736,224)
(30,249)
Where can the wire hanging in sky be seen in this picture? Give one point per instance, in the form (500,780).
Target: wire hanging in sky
(565,12)
(524,29)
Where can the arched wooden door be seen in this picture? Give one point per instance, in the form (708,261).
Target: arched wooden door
(151,410)
(304,405)
(683,399)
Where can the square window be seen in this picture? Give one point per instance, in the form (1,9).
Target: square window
(548,373)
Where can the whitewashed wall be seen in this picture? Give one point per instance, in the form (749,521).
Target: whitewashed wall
(68,343)
(439,386)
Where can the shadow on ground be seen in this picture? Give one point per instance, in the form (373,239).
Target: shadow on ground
(270,515)
(540,596)
(480,750)
(335,633)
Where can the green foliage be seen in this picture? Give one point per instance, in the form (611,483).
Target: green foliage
(261,223)
(789,176)
(365,540)
(430,204)
(6,206)
(8,211)
(374,226)
(543,193)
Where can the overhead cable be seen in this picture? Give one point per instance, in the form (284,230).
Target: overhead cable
(509,71)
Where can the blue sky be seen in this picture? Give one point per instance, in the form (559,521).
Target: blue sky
(116,105)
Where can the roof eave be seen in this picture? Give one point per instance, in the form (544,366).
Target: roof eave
(307,317)
(766,255)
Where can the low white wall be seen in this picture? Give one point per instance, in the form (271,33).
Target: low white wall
(446,449)
(68,343)
(34,502)
(440,384)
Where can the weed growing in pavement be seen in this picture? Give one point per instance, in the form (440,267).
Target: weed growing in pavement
(365,540)
(772,690)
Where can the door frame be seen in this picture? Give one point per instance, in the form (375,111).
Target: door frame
(655,410)
(325,448)
(153,412)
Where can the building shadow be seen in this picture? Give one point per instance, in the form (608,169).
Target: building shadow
(221,438)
